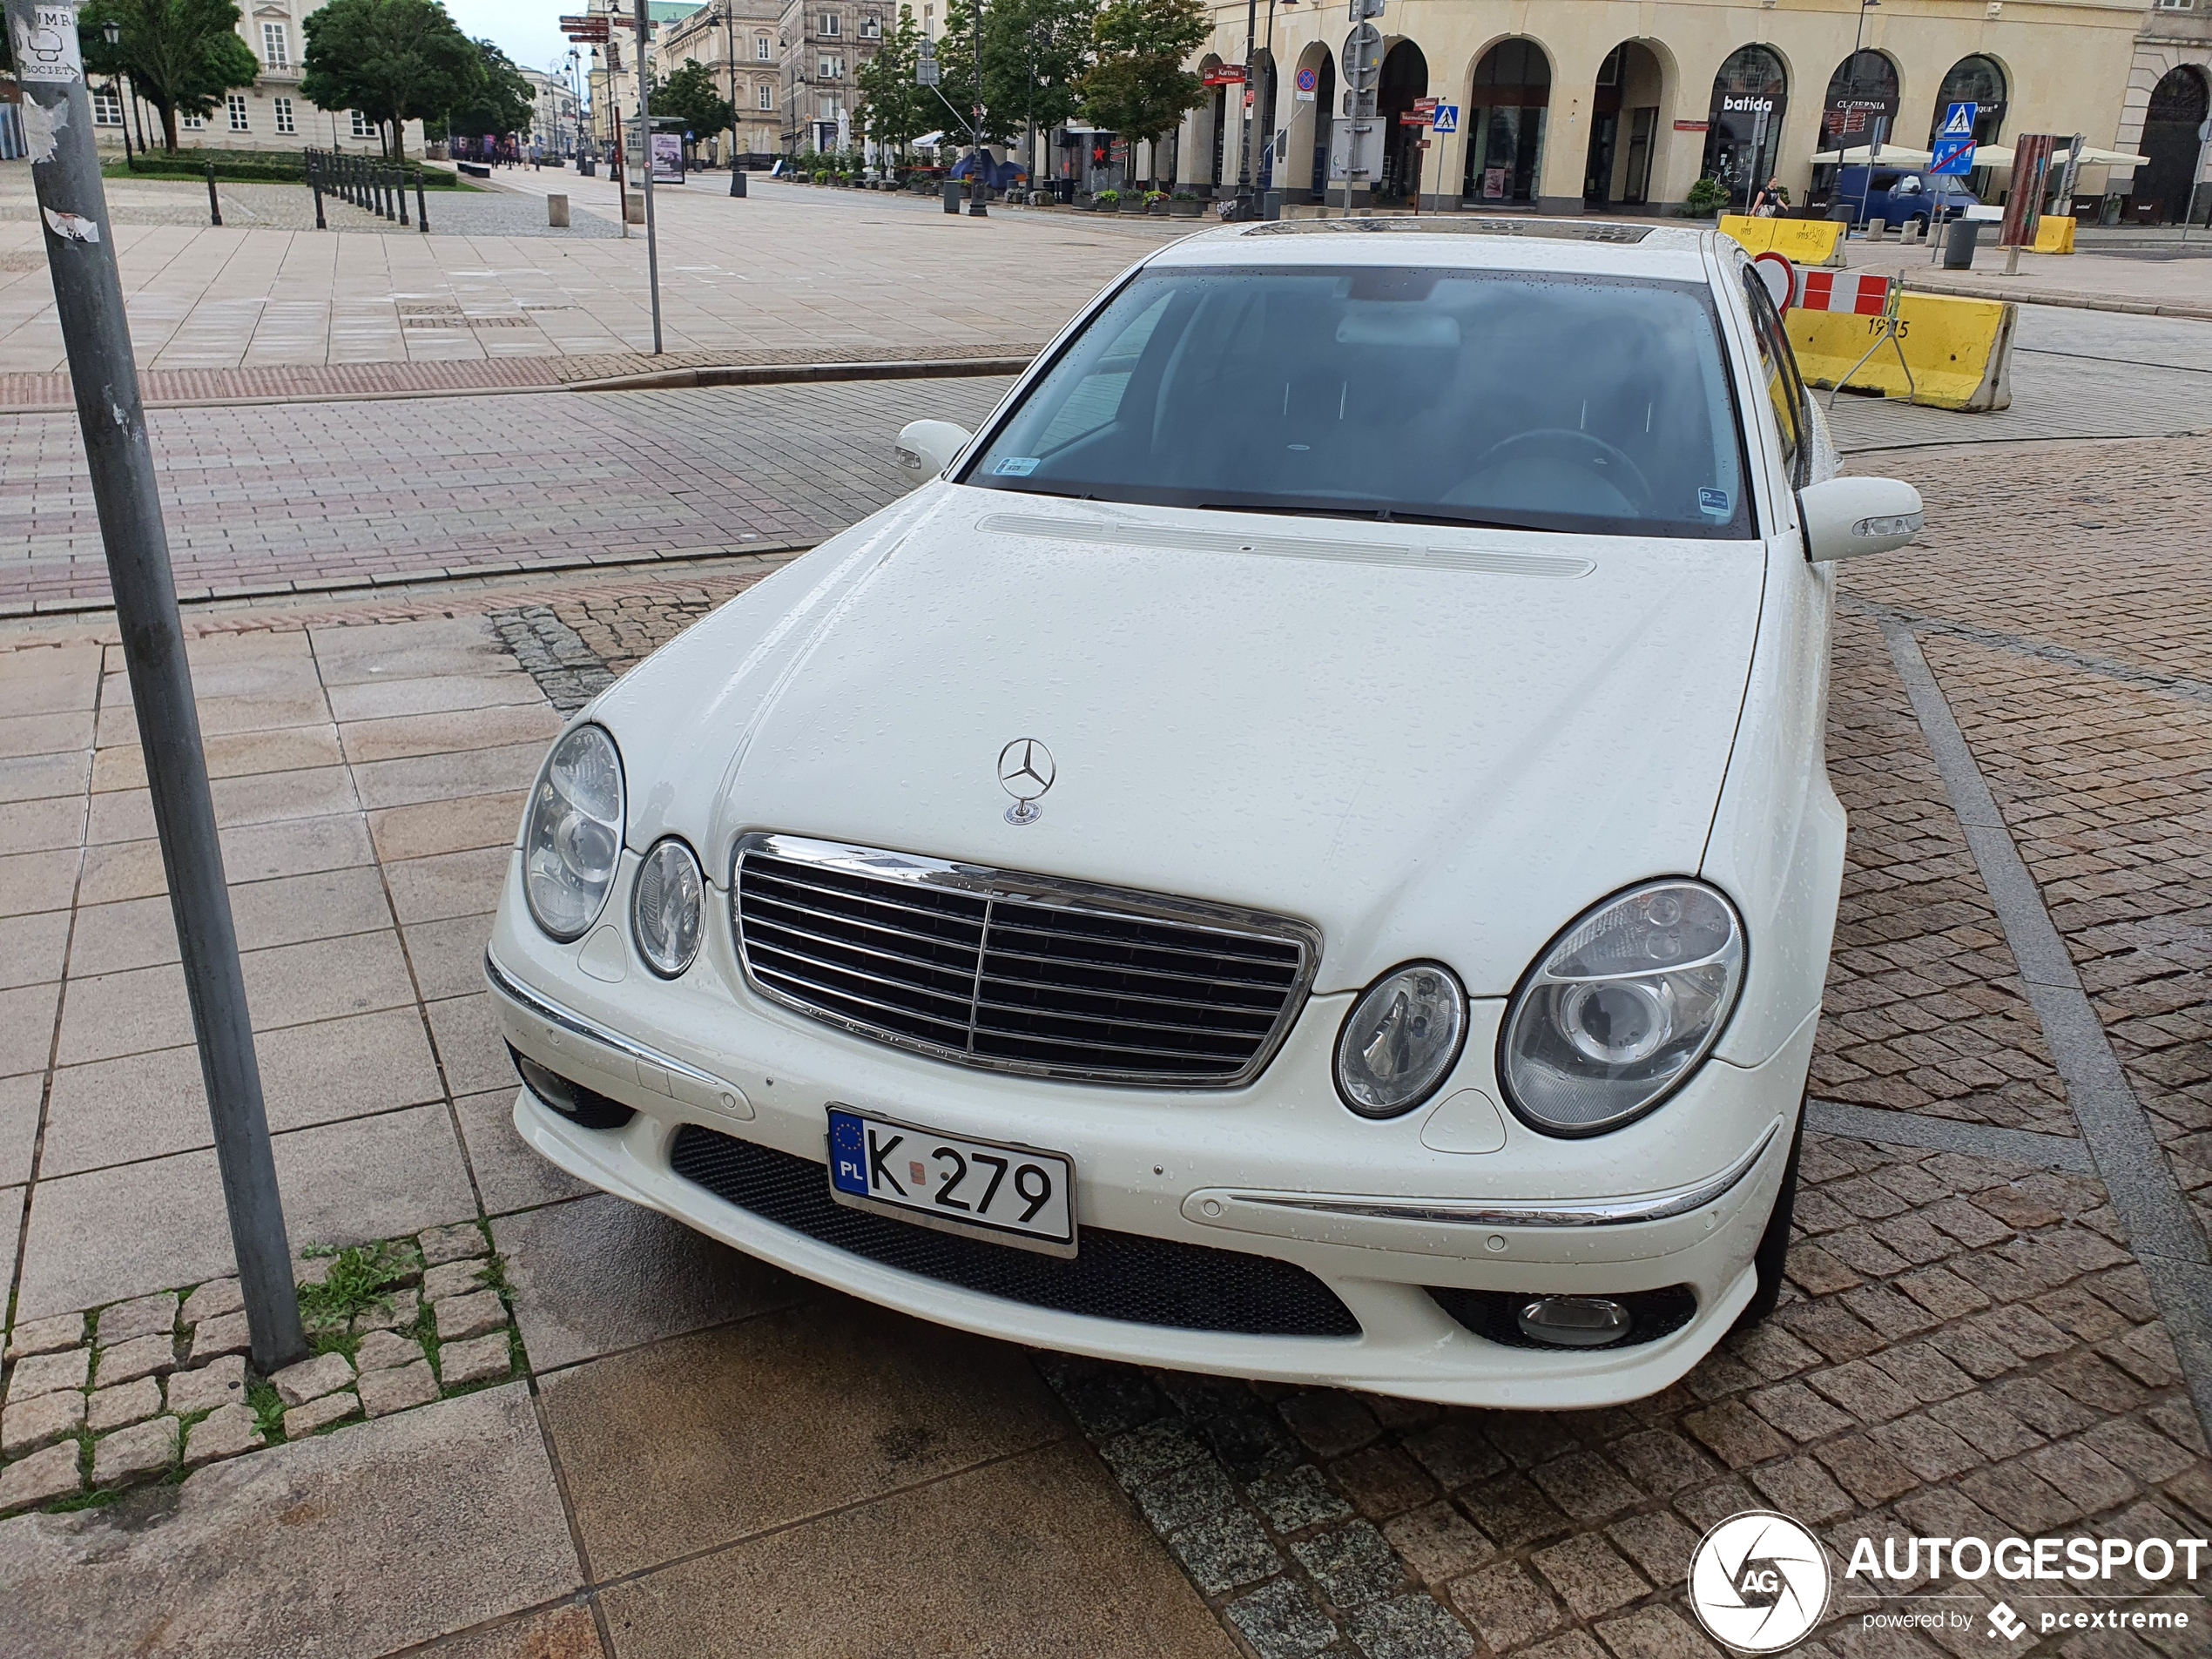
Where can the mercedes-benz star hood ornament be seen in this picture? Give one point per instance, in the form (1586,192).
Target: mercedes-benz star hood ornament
(1025,772)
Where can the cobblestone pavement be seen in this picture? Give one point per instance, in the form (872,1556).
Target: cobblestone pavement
(279,497)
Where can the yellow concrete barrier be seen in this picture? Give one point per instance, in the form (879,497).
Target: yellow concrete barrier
(2055,235)
(1808,241)
(1960,351)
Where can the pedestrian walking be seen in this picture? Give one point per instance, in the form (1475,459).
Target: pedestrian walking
(1771,202)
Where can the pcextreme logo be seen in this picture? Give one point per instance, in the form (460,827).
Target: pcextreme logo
(1759,1582)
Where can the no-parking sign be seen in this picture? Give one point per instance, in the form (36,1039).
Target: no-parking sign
(1308,84)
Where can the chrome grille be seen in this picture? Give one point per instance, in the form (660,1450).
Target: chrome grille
(1018,973)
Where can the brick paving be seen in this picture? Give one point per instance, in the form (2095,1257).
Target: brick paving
(271,498)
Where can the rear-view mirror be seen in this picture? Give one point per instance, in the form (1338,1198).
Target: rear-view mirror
(928,447)
(1845,517)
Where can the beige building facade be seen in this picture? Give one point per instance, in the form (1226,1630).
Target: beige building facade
(271,114)
(1574,105)
(738,41)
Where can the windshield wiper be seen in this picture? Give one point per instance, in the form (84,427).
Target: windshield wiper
(1371,515)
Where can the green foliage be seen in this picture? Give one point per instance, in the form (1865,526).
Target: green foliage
(689,95)
(497,102)
(1110,198)
(1138,87)
(359,1279)
(1706,197)
(893,109)
(267,1407)
(396,61)
(182,55)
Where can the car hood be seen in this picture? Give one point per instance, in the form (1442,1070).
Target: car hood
(1427,742)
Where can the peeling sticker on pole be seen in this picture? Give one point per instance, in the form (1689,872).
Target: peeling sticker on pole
(73,226)
(46,48)
(42,127)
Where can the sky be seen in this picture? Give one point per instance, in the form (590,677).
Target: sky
(527,31)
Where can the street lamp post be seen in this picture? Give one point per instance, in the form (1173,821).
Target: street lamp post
(1250,108)
(112,32)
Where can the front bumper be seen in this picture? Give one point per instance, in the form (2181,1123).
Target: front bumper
(1224,1169)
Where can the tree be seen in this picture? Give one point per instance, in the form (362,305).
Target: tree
(396,61)
(689,95)
(497,101)
(893,109)
(1034,52)
(182,55)
(1139,87)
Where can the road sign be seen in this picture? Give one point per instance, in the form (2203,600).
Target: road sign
(1355,149)
(1366,9)
(927,72)
(1953,158)
(1959,121)
(1224,75)
(1308,83)
(1447,118)
(1363,58)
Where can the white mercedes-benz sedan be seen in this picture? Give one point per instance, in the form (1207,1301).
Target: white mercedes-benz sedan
(1302,851)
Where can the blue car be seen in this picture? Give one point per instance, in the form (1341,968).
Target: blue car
(1897,197)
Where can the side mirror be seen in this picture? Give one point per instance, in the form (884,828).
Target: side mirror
(929,445)
(1845,517)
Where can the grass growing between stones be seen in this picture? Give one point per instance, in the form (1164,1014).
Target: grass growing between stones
(267,1407)
(359,1278)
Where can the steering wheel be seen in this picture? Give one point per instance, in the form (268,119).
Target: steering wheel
(1621,473)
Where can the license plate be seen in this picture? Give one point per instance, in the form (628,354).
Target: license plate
(1011,1195)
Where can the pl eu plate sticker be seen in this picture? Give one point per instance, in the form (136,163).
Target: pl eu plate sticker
(1016,465)
(848,1155)
(1713,501)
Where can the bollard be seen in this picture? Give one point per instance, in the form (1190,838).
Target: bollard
(421,209)
(1875,227)
(398,193)
(1910,232)
(556,212)
(633,207)
(736,181)
(215,207)
(1959,245)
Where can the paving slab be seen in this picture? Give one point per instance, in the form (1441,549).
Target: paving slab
(600,1274)
(239,1559)
(1035,1554)
(19,1126)
(510,1175)
(711,1438)
(139,1227)
(152,1104)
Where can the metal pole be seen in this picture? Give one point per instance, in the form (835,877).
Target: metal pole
(88,300)
(314,183)
(398,190)
(1244,123)
(215,207)
(645,148)
(2203,143)
(977,191)
(421,211)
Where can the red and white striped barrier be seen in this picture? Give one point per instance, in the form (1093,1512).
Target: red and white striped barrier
(1862,296)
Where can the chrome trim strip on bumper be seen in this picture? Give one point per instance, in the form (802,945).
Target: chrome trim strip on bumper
(1530,1213)
(553,1013)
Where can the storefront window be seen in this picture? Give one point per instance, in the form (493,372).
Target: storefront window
(1861,93)
(1505,108)
(1743,127)
(1975,80)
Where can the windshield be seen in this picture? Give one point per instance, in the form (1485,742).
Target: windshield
(1595,405)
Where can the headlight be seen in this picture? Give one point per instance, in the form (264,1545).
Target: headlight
(1400,1038)
(1622,1007)
(664,906)
(572,840)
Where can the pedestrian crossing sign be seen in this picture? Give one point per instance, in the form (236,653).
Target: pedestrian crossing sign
(1959,121)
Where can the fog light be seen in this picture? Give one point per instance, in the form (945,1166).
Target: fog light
(587,1107)
(1575,1321)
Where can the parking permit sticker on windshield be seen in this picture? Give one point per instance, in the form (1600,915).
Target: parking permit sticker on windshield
(1016,465)
(1713,501)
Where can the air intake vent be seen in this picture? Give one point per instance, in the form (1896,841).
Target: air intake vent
(1118,1276)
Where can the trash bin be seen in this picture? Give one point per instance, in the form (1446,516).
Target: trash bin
(1271,203)
(585,167)
(952,195)
(1958,244)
